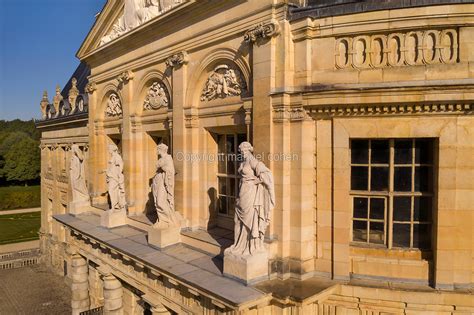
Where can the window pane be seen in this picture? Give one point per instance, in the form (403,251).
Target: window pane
(360,208)
(231,206)
(380,151)
(241,137)
(230,145)
(222,186)
(402,179)
(422,209)
(222,205)
(401,235)
(359,178)
(377,208)
(221,144)
(403,151)
(231,185)
(359,151)
(221,163)
(402,209)
(422,236)
(231,163)
(359,231)
(424,151)
(376,232)
(379,179)
(423,178)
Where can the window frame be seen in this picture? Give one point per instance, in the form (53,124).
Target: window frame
(390,194)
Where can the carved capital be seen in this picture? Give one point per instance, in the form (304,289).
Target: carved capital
(91,87)
(177,60)
(125,76)
(262,31)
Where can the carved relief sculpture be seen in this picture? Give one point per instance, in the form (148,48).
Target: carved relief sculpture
(177,59)
(57,100)
(91,87)
(156,97)
(115,179)
(163,190)
(263,31)
(73,93)
(253,206)
(114,106)
(44,105)
(223,82)
(137,12)
(77,175)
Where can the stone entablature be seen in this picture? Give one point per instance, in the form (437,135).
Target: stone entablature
(419,47)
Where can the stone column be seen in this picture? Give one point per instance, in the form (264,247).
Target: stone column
(113,292)
(79,285)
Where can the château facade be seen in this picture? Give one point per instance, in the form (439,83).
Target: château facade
(361,110)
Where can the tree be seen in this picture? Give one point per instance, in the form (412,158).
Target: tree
(22,160)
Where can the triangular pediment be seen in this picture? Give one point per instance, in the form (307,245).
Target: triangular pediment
(120,17)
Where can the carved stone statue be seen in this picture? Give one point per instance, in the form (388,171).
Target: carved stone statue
(253,206)
(77,176)
(114,106)
(163,190)
(73,93)
(57,100)
(223,82)
(137,12)
(156,97)
(115,179)
(44,105)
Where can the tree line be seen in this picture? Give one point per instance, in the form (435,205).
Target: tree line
(20,158)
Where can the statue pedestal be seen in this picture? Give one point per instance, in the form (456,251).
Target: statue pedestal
(78,207)
(246,269)
(111,218)
(163,237)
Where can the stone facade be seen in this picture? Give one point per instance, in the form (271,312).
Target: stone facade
(365,120)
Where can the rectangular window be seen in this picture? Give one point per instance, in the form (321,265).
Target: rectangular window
(227,175)
(392,192)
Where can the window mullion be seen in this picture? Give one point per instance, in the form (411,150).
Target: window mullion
(390,194)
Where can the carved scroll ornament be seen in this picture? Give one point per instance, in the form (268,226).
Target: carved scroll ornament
(263,31)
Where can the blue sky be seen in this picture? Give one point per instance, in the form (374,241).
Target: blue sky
(38,44)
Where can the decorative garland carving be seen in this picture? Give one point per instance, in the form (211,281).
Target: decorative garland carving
(223,82)
(397,49)
(114,106)
(177,60)
(263,31)
(156,97)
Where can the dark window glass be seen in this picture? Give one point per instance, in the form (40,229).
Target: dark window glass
(359,178)
(359,230)
(380,151)
(241,137)
(376,232)
(401,235)
(422,236)
(377,208)
(422,209)
(222,186)
(403,151)
(360,151)
(231,185)
(402,209)
(360,208)
(222,204)
(379,179)
(231,206)
(423,178)
(230,144)
(402,179)
(423,151)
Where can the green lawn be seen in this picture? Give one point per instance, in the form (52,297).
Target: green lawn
(15,228)
(20,197)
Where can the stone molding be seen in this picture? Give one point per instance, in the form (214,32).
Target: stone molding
(177,60)
(287,114)
(419,47)
(322,111)
(262,31)
(191,121)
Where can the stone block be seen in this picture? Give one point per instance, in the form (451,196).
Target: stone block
(111,219)
(164,237)
(246,269)
(78,207)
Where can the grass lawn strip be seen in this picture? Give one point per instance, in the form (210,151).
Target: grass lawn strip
(22,227)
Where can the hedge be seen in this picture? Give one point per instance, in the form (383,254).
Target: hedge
(20,197)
